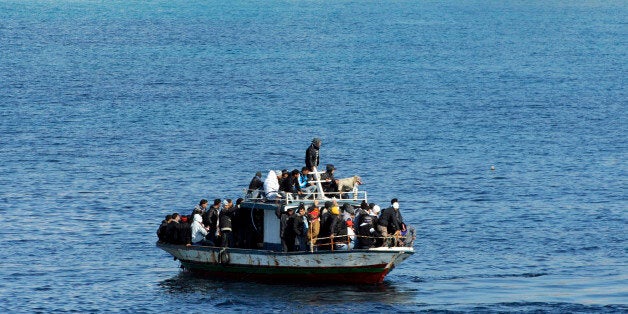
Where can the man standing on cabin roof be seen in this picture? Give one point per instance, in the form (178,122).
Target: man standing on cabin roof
(311,154)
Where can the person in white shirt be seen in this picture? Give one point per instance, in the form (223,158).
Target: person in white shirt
(199,231)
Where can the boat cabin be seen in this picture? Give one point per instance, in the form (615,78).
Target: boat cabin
(265,214)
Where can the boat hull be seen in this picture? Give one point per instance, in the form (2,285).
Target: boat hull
(343,267)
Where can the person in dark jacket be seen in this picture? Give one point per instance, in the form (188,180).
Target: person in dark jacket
(255,185)
(210,219)
(161,232)
(325,227)
(295,184)
(366,232)
(172,229)
(239,221)
(285,182)
(331,184)
(200,208)
(389,222)
(225,223)
(312,154)
(286,230)
(184,229)
(338,226)
(300,227)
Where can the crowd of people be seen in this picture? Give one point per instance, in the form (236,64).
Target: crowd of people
(327,227)
(209,225)
(335,227)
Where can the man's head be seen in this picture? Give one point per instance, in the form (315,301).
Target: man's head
(330,168)
(394,203)
(176,217)
(317,142)
(228,203)
(203,203)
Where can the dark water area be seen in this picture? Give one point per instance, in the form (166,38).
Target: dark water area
(114,114)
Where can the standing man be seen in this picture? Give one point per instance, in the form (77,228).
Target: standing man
(312,155)
(210,219)
(225,223)
(200,208)
(389,223)
(301,226)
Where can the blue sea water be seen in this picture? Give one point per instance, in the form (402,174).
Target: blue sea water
(116,113)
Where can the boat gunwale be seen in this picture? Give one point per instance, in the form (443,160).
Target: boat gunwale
(404,250)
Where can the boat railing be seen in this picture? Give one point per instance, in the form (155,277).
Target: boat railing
(329,243)
(316,194)
(292,198)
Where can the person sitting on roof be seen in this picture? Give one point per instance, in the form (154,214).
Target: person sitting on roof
(330,184)
(285,181)
(255,185)
(271,186)
(306,183)
(291,183)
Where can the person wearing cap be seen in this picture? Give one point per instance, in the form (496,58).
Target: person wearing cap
(312,154)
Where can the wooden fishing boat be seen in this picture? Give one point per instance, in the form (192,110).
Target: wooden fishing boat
(267,262)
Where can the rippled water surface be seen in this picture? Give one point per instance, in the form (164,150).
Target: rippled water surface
(114,114)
